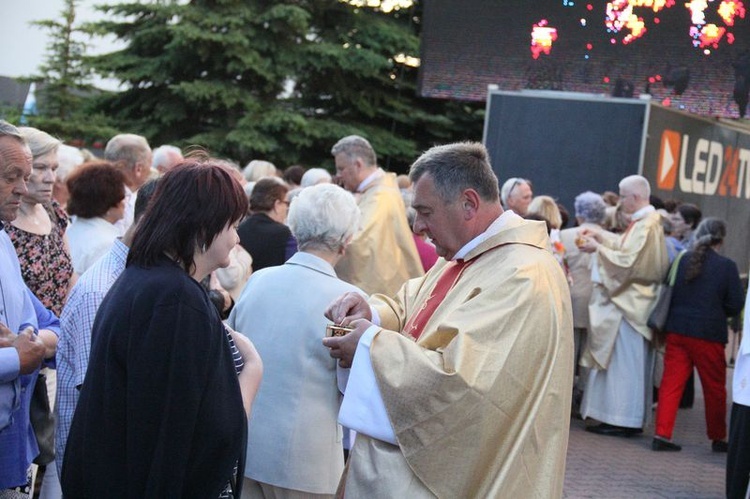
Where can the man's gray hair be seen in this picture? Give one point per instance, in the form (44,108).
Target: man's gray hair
(8,130)
(508,187)
(323,217)
(355,146)
(456,167)
(590,207)
(127,148)
(637,184)
(164,154)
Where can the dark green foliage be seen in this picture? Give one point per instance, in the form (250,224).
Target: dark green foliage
(281,80)
(65,94)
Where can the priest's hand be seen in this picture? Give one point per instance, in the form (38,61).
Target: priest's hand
(588,240)
(347,308)
(343,347)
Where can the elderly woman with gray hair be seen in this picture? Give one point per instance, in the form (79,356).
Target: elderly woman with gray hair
(295,443)
(38,233)
(590,211)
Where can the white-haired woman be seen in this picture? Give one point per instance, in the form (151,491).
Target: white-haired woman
(315,176)
(258,169)
(281,311)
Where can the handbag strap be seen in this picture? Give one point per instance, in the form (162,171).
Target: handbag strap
(672,276)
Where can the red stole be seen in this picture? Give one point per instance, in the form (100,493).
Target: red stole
(451,273)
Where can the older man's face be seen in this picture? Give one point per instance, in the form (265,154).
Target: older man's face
(15,169)
(441,222)
(347,172)
(628,200)
(520,197)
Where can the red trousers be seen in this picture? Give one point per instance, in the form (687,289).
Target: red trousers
(684,352)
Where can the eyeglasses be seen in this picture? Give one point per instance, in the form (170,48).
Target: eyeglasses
(518,181)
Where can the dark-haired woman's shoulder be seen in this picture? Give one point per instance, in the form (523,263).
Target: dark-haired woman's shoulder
(163,284)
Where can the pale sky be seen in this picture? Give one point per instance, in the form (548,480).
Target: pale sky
(25,45)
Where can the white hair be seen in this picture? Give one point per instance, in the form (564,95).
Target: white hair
(166,156)
(637,184)
(323,217)
(508,187)
(257,169)
(127,148)
(68,158)
(315,176)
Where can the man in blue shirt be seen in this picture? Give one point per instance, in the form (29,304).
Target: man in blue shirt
(77,320)
(22,347)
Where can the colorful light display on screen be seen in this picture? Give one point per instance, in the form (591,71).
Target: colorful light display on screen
(624,21)
(676,51)
(542,38)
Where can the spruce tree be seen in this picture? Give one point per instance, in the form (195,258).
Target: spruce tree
(64,88)
(276,80)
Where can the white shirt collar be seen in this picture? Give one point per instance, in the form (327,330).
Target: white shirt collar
(642,213)
(370,179)
(493,229)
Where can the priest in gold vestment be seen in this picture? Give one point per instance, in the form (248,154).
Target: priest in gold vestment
(627,275)
(382,255)
(461,383)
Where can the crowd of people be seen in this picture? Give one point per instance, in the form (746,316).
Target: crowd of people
(182,327)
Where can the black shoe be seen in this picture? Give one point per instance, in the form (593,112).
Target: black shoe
(719,446)
(612,430)
(659,444)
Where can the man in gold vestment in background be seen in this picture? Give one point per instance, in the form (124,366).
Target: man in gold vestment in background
(627,274)
(382,255)
(463,387)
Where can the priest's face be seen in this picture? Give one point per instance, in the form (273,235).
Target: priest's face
(440,221)
(347,172)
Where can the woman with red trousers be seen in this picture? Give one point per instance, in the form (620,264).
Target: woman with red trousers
(706,292)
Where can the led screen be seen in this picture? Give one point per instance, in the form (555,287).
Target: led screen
(679,52)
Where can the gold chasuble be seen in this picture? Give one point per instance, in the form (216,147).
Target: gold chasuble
(383,255)
(631,269)
(480,403)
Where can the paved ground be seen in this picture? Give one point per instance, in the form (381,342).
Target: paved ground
(615,467)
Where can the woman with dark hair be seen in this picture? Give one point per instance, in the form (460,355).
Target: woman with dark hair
(685,220)
(264,234)
(706,292)
(97,200)
(161,411)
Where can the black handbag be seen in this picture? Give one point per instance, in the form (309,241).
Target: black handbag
(658,317)
(43,421)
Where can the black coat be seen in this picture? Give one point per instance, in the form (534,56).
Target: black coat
(160,412)
(700,308)
(266,240)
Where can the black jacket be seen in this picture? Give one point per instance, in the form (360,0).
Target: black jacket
(700,308)
(160,412)
(266,240)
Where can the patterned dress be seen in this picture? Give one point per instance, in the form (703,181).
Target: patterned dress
(45,263)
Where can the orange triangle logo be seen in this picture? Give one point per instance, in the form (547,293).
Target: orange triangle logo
(669,153)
